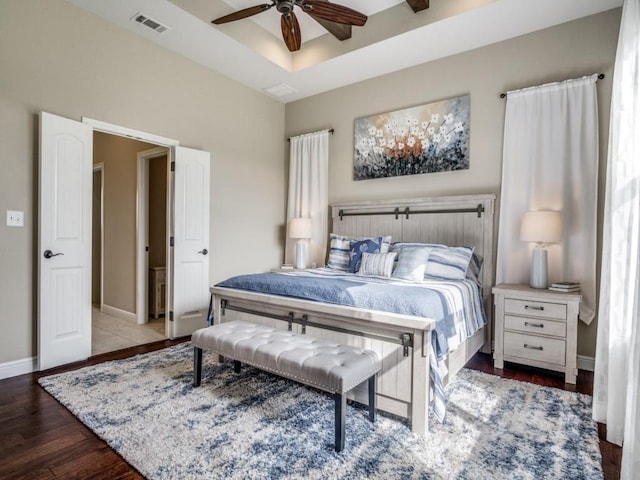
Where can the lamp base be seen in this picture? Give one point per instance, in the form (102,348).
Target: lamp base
(301,254)
(539,275)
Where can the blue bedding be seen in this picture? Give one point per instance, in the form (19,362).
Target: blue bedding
(455,305)
(403,299)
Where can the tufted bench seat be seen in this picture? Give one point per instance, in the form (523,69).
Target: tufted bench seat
(319,363)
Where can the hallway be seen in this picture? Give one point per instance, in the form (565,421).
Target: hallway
(111,333)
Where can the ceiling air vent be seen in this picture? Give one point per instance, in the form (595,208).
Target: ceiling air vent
(280,90)
(142,19)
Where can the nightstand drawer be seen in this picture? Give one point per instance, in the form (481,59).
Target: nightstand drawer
(542,349)
(535,325)
(535,309)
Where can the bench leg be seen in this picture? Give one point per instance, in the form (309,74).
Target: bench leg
(341,408)
(197,366)
(372,398)
(236,366)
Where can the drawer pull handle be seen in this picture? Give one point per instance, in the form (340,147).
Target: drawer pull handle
(532,347)
(529,307)
(538,325)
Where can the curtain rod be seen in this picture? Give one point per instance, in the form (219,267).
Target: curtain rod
(331,130)
(600,77)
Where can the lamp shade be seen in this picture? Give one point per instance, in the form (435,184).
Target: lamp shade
(300,228)
(543,226)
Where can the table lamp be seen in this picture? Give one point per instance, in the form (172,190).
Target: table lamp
(300,228)
(542,227)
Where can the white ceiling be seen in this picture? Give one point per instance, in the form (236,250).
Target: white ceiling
(251,51)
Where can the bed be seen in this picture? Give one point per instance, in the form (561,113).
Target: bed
(404,342)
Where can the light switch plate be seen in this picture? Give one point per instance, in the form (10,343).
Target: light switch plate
(15,218)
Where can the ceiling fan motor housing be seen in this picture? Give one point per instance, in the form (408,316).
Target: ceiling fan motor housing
(285,6)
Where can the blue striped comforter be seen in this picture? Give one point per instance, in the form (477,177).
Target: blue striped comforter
(455,305)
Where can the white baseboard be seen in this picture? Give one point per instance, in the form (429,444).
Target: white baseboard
(586,363)
(18,367)
(117,312)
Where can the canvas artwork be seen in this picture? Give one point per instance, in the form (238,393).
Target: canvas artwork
(424,139)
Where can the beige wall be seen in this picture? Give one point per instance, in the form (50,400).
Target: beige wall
(57,58)
(570,50)
(119,156)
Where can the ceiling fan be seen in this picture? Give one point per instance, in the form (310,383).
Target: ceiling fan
(332,16)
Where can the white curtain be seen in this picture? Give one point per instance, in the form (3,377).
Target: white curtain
(309,192)
(550,162)
(616,393)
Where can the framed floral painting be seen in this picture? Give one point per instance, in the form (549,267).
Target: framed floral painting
(424,139)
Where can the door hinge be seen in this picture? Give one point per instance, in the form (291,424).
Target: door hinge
(171,242)
(171,316)
(173,166)
(146,249)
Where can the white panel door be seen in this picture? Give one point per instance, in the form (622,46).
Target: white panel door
(189,275)
(64,243)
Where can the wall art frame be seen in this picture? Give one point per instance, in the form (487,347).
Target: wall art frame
(428,138)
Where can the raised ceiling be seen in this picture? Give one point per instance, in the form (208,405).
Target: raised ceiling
(251,51)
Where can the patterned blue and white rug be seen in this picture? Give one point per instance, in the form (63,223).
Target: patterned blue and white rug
(253,425)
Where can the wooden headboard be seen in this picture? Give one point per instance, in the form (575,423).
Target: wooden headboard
(451,220)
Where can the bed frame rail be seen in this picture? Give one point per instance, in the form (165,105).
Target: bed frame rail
(405,339)
(407,211)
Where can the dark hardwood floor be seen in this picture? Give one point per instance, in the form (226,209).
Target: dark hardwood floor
(40,439)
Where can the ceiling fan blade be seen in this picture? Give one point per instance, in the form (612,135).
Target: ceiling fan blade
(338,30)
(240,14)
(418,5)
(334,12)
(291,31)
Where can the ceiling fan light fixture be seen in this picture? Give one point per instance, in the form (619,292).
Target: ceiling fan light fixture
(285,6)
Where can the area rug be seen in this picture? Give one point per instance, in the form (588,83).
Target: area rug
(255,425)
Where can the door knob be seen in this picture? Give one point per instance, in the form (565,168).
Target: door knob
(49,254)
(204,251)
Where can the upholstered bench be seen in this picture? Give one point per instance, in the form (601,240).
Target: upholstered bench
(318,363)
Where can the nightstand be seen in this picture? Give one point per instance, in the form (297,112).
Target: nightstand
(536,327)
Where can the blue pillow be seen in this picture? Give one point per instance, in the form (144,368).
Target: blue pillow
(358,247)
(340,248)
(449,263)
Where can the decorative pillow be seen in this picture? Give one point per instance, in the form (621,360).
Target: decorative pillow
(411,264)
(473,272)
(339,249)
(358,247)
(449,263)
(380,264)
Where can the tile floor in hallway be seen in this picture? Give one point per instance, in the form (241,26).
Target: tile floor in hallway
(111,333)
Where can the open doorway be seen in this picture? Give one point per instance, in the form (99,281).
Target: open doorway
(129,207)
(64,237)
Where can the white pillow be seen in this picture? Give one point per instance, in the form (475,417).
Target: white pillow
(379,264)
(412,264)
